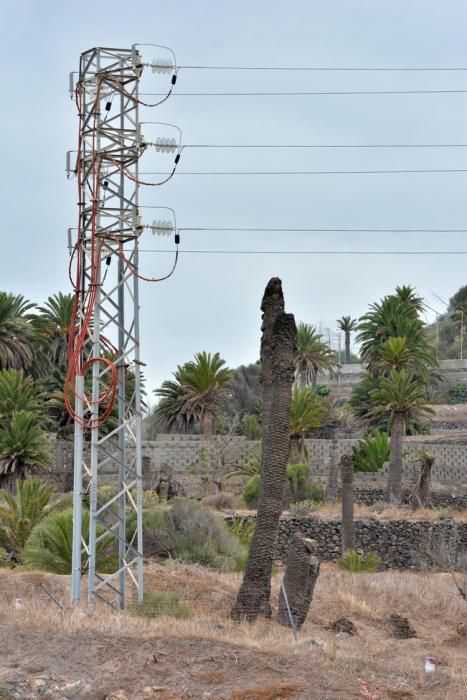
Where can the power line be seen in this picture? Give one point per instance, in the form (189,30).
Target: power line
(329,145)
(323,68)
(311,172)
(308,252)
(325,230)
(298,93)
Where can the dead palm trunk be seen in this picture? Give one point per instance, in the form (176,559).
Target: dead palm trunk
(421,496)
(332,486)
(346,465)
(272,305)
(394,487)
(254,595)
(299,581)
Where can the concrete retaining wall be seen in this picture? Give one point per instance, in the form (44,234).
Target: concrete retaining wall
(188,454)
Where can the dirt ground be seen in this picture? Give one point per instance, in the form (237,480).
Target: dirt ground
(51,653)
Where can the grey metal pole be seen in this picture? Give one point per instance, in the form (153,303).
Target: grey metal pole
(94,447)
(121,379)
(138,414)
(96,353)
(77,494)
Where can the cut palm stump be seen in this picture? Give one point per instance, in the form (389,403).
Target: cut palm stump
(299,581)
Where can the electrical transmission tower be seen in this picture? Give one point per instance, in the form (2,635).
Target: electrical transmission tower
(103,386)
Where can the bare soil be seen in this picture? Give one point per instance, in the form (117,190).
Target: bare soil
(70,653)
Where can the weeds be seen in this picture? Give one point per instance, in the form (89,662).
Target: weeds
(357,563)
(160,603)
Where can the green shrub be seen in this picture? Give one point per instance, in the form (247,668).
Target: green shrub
(372,452)
(313,492)
(251,467)
(150,499)
(299,486)
(296,475)
(243,529)
(5,560)
(251,426)
(187,531)
(161,603)
(49,547)
(61,503)
(251,491)
(357,563)
(458,393)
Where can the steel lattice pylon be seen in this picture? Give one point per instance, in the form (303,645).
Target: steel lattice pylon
(106,350)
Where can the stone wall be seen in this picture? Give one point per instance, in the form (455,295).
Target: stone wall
(194,454)
(450,458)
(440,499)
(453,372)
(399,543)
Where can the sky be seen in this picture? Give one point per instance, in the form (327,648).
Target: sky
(212,301)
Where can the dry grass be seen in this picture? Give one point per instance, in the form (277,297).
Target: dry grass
(332,511)
(362,512)
(250,661)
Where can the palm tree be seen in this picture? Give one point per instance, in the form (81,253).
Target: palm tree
(54,322)
(401,395)
(407,296)
(395,316)
(308,412)
(16,334)
(170,413)
(23,444)
(347,325)
(313,355)
(50,545)
(18,392)
(205,383)
(20,514)
(194,395)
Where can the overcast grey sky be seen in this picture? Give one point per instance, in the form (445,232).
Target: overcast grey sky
(212,302)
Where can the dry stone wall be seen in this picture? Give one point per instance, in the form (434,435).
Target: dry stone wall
(399,543)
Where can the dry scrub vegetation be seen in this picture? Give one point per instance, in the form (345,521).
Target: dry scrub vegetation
(386,512)
(120,656)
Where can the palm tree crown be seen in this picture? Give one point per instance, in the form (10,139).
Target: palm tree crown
(55,321)
(15,332)
(395,317)
(347,324)
(199,387)
(313,355)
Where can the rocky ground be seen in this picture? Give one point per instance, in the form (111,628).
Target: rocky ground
(47,652)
